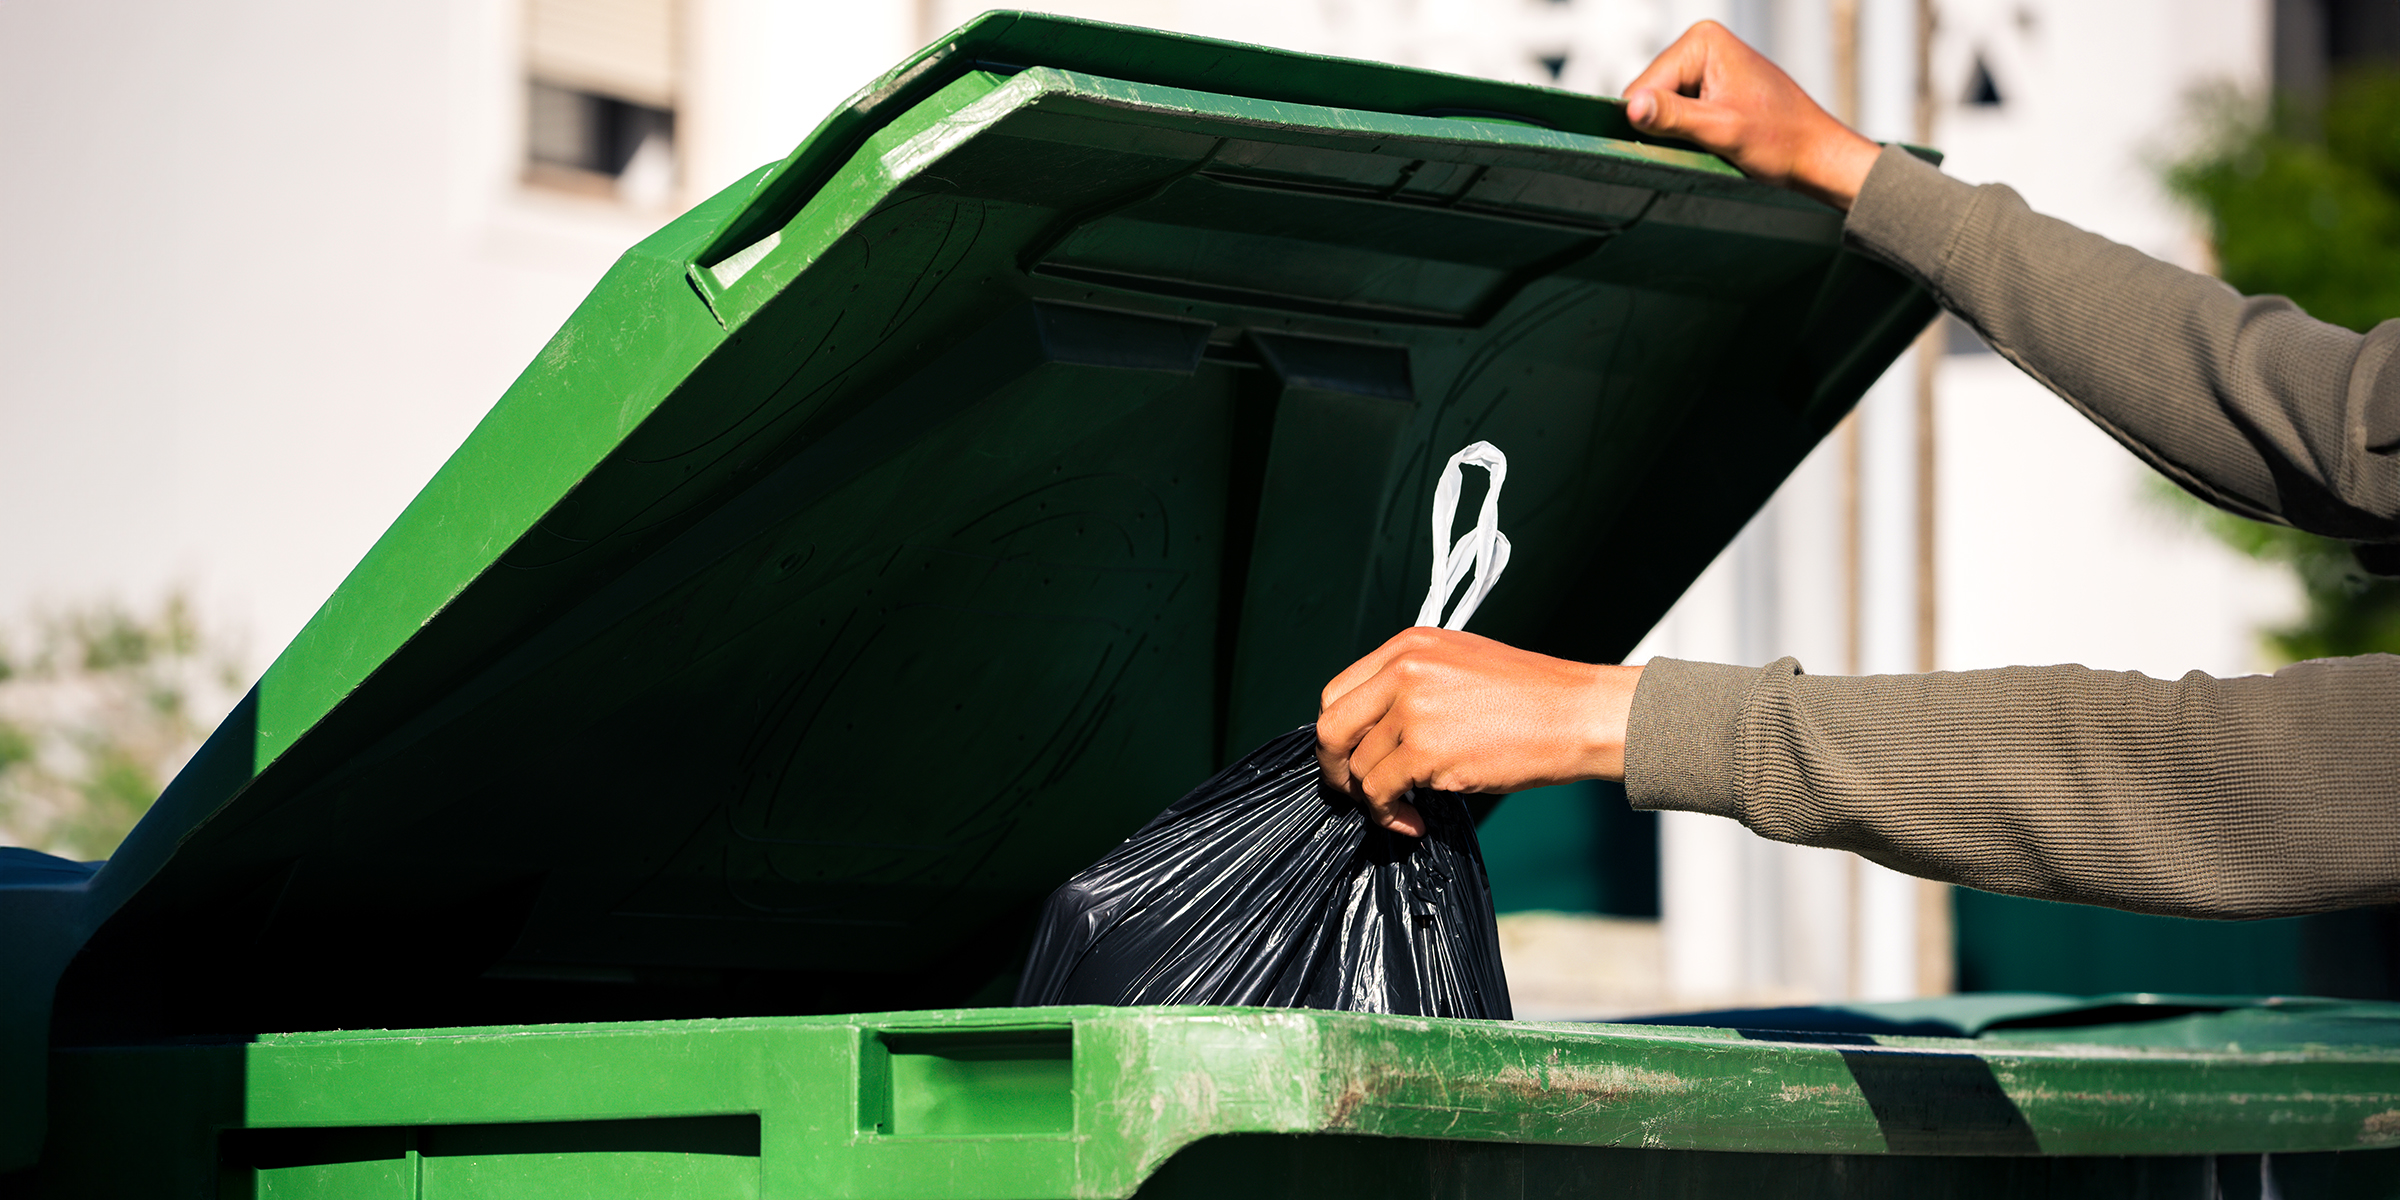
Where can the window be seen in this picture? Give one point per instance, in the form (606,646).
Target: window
(602,78)
(1982,90)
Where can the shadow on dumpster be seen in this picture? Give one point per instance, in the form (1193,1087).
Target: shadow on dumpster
(1926,1101)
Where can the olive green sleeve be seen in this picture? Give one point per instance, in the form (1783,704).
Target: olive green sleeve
(2248,402)
(2256,796)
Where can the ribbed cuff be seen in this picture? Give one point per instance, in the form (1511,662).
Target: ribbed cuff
(1679,738)
(1905,214)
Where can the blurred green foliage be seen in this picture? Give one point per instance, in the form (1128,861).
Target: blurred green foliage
(99,706)
(2346,610)
(2306,204)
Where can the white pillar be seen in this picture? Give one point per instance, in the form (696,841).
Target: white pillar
(1886,964)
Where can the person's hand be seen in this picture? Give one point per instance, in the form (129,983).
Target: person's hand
(1454,712)
(1712,90)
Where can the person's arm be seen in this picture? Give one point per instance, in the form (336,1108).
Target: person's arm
(2247,402)
(2258,796)
(2255,796)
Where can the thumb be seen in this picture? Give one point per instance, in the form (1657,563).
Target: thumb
(1659,111)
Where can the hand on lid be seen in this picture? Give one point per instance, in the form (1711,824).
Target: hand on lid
(1714,91)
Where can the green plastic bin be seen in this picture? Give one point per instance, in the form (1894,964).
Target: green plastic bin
(894,532)
(1053,1104)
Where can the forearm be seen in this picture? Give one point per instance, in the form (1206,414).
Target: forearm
(2248,402)
(2249,797)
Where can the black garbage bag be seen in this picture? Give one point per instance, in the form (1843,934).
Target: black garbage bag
(1264,887)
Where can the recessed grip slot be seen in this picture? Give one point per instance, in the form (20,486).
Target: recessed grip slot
(967,1082)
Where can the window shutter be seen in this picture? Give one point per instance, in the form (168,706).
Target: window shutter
(626,49)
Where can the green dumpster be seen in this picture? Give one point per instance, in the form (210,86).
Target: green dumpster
(897,530)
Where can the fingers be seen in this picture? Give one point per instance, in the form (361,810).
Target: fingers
(1713,91)
(1347,722)
(1366,668)
(1384,785)
(1344,715)
(1375,745)
(1712,127)
(1357,735)
(1679,69)
(1403,818)
(1680,94)
(1334,764)
(1453,711)
(1386,789)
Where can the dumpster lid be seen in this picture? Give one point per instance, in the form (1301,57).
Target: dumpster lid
(896,530)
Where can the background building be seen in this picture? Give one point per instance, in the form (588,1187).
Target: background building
(270,261)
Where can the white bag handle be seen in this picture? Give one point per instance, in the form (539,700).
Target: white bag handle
(1484,548)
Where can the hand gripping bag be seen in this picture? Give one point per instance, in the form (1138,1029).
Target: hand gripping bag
(1265,887)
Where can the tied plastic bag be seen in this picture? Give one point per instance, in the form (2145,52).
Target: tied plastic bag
(1265,887)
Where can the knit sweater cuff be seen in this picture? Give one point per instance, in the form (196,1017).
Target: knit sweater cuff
(1679,738)
(1905,214)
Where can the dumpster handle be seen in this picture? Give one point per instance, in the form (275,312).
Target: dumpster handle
(1484,548)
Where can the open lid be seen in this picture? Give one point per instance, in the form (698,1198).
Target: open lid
(897,530)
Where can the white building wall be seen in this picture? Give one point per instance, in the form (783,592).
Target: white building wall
(268,266)
(763,73)
(2052,549)
(270,261)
